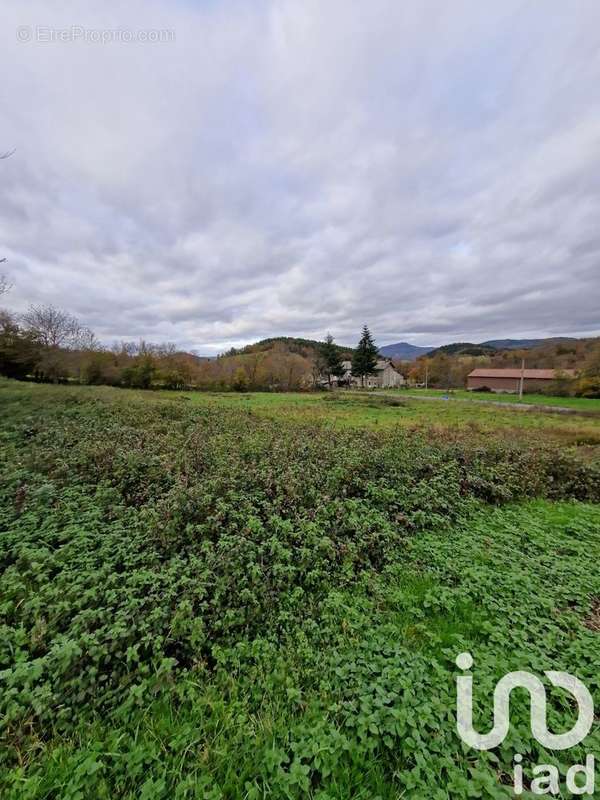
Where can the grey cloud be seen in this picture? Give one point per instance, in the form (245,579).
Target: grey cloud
(292,168)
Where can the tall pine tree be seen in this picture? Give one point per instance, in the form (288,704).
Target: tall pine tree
(365,356)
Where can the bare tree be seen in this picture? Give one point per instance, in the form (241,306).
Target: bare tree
(166,349)
(85,339)
(5,284)
(52,327)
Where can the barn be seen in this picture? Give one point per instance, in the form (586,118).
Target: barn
(508,380)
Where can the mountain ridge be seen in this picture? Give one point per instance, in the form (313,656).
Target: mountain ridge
(410,352)
(405,351)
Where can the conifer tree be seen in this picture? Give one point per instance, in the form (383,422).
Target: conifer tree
(365,356)
(331,361)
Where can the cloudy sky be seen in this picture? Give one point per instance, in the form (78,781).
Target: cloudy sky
(292,167)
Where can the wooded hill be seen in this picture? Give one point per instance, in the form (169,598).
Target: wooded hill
(556,353)
(293,344)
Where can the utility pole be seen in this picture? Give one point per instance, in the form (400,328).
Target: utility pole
(522,379)
(426,373)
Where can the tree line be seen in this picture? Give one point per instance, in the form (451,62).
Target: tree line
(47,344)
(445,370)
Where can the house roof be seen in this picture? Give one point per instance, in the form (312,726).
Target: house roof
(537,374)
(379,367)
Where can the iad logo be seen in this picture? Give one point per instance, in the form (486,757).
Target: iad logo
(537,693)
(547,781)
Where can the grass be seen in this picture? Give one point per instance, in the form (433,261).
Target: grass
(356,410)
(246,597)
(579,403)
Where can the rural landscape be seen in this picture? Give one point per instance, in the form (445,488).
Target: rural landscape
(299,400)
(225,594)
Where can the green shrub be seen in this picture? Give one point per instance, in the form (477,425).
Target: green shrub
(588,387)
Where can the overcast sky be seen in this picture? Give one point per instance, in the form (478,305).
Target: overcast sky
(292,167)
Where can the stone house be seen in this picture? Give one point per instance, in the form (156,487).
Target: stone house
(385,376)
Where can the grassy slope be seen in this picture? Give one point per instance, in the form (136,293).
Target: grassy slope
(344,686)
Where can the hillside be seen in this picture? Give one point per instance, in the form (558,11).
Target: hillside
(292,344)
(404,351)
(554,351)
(519,344)
(463,349)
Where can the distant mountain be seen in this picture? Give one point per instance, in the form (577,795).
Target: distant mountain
(404,351)
(409,352)
(522,344)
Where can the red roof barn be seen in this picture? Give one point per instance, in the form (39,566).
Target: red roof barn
(507,380)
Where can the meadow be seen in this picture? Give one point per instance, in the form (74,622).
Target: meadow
(398,410)
(262,596)
(578,403)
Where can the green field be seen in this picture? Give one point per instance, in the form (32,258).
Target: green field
(580,403)
(393,410)
(262,596)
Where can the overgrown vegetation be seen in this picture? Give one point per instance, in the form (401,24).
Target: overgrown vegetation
(199,601)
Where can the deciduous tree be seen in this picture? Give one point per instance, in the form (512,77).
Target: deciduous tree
(19,351)
(52,327)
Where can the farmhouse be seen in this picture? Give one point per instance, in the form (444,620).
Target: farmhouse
(386,376)
(508,380)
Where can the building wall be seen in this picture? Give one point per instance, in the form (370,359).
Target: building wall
(391,378)
(507,384)
(382,379)
(371,381)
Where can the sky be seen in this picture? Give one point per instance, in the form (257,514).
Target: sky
(213,172)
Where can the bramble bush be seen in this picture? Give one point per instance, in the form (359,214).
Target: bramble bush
(169,561)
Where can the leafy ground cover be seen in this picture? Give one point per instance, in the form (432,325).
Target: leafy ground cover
(201,601)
